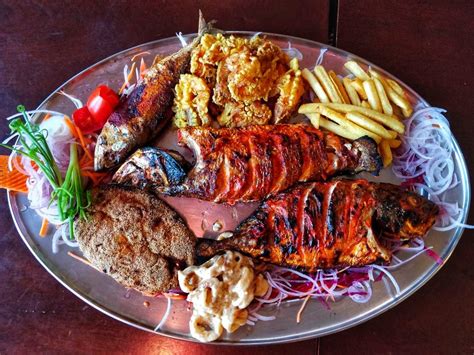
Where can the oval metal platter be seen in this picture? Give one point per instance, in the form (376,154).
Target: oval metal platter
(103,293)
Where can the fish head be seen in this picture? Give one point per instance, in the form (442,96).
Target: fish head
(403,214)
(151,167)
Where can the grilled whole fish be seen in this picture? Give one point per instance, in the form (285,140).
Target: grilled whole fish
(248,164)
(150,167)
(143,113)
(327,225)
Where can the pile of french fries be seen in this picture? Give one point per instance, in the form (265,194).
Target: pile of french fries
(367,105)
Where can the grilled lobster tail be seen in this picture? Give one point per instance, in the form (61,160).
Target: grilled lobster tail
(327,225)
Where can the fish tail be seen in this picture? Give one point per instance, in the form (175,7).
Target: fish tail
(203,26)
(206,248)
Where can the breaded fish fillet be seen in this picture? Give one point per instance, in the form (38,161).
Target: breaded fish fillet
(136,238)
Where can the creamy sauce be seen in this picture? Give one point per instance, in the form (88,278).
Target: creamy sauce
(221,289)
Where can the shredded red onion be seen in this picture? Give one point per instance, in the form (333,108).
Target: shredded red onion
(425,160)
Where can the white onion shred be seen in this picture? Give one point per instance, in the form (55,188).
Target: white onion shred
(181,38)
(426,160)
(78,103)
(165,315)
(293,52)
(255,36)
(61,236)
(320,59)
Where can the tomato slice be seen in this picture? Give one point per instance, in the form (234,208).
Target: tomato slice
(108,94)
(99,108)
(101,103)
(84,120)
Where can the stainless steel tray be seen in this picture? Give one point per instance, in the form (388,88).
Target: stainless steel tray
(103,293)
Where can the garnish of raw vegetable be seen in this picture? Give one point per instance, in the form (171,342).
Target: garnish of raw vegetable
(68,192)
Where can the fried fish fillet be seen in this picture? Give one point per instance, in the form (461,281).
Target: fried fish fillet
(136,238)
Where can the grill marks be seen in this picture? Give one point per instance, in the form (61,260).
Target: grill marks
(314,225)
(327,225)
(253,162)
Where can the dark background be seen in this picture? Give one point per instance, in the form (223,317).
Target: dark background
(427,44)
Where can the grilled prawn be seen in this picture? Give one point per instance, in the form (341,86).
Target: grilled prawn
(327,225)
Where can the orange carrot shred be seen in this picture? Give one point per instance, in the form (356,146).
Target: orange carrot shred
(76,132)
(11,180)
(129,77)
(138,55)
(143,68)
(44,228)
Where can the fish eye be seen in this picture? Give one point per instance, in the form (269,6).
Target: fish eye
(414,201)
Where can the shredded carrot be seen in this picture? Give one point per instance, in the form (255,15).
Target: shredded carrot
(138,55)
(11,180)
(82,260)
(143,68)
(129,77)
(298,315)
(76,132)
(47,117)
(174,296)
(44,228)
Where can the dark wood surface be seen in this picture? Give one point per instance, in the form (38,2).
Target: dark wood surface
(425,43)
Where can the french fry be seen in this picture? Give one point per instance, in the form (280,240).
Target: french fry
(394,143)
(339,87)
(344,122)
(395,86)
(388,121)
(327,84)
(376,75)
(395,93)
(386,153)
(400,101)
(393,134)
(314,118)
(365,104)
(386,106)
(351,92)
(335,128)
(315,85)
(368,124)
(372,95)
(407,112)
(356,69)
(357,84)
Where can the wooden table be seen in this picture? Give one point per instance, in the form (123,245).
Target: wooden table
(426,44)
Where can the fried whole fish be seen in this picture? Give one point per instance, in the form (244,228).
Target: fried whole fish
(143,113)
(327,225)
(250,163)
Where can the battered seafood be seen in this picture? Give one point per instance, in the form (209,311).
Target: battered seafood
(328,225)
(252,80)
